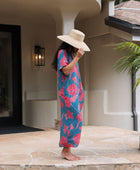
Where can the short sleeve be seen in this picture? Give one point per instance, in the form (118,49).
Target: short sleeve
(62,59)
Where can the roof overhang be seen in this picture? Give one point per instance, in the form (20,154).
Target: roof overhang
(124,28)
(40,10)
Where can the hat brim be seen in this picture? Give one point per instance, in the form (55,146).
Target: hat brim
(73,42)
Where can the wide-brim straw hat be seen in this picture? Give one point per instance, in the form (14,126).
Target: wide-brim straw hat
(75,38)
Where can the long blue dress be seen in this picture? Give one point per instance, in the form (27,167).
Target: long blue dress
(71,95)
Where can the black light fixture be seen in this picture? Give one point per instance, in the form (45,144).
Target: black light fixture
(39,57)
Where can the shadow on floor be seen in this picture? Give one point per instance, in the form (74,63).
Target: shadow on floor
(17,129)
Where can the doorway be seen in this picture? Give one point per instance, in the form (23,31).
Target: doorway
(10,75)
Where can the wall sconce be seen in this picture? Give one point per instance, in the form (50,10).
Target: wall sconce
(39,56)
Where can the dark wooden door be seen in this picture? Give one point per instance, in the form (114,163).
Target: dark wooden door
(10,76)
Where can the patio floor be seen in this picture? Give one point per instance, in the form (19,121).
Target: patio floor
(101,148)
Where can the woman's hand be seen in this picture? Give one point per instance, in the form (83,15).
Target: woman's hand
(67,69)
(80,53)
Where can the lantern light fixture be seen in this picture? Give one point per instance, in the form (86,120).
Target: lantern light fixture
(39,56)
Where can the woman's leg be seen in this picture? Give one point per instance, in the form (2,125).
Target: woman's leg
(66,153)
(70,130)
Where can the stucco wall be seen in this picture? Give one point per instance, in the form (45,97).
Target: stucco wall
(109,93)
(37,84)
(40,83)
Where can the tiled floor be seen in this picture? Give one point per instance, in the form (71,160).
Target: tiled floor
(101,148)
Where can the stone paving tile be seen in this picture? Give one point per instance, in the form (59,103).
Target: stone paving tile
(67,168)
(137,167)
(128,167)
(104,146)
(89,168)
(98,167)
(58,168)
(13,168)
(124,167)
(48,168)
(106,167)
(33,168)
(1,168)
(82,167)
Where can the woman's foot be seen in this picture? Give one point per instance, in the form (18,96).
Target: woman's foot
(78,157)
(66,153)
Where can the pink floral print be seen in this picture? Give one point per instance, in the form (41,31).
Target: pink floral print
(71,95)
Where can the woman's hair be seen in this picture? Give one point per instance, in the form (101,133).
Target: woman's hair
(69,49)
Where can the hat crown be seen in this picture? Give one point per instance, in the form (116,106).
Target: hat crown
(75,39)
(77,35)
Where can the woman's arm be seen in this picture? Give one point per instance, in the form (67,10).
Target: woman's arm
(67,69)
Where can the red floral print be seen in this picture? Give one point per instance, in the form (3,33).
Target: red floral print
(72,89)
(67,101)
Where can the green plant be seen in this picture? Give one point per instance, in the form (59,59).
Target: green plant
(119,1)
(130,60)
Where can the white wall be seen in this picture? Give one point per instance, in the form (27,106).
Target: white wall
(41,113)
(36,82)
(109,93)
(94,26)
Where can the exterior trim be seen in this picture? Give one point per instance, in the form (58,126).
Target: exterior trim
(135,115)
(122,25)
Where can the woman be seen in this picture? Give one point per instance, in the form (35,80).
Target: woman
(70,89)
